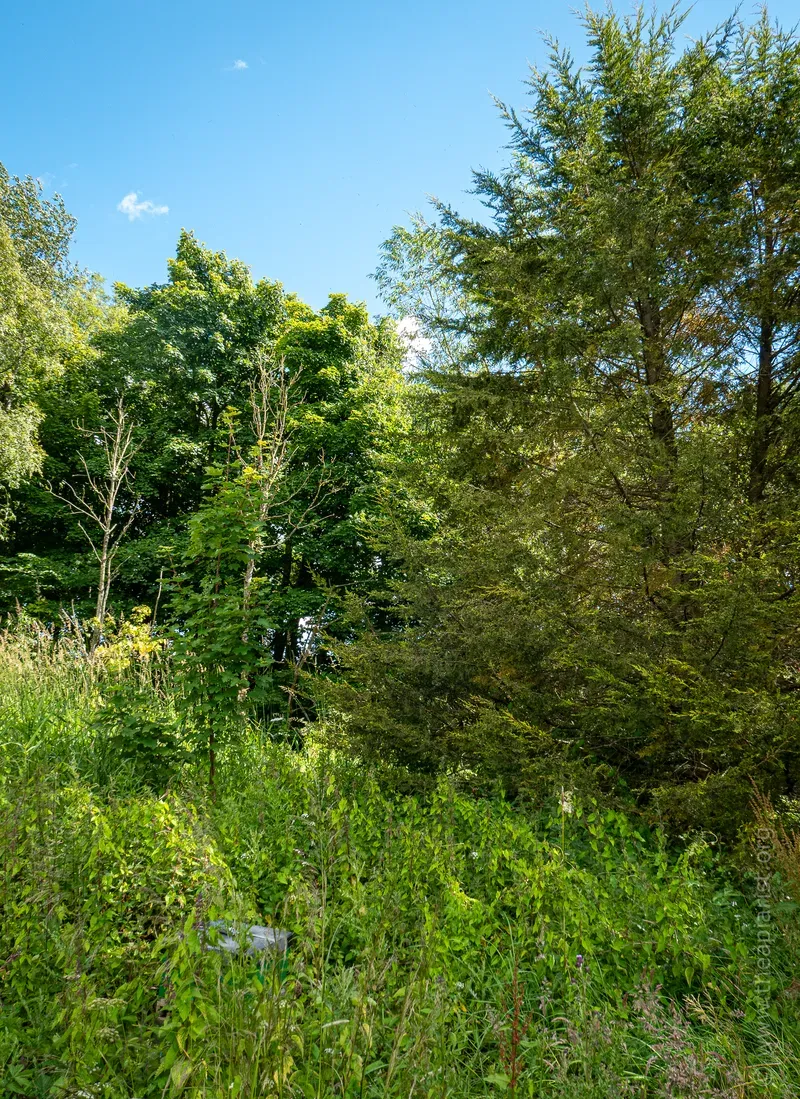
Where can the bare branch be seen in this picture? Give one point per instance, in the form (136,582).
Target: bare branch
(98,502)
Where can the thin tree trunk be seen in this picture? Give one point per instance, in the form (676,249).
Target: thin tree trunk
(103,583)
(281,637)
(97,503)
(763,427)
(764,424)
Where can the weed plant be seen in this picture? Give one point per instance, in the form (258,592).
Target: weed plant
(445,945)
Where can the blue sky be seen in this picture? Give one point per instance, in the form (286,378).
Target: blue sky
(337,122)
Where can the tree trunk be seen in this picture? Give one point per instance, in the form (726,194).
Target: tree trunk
(662,427)
(281,637)
(101,605)
(765,400)
(763,428)
(656,374)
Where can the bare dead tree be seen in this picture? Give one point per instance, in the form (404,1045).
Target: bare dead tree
(97,502)
(269,403)
(271,396)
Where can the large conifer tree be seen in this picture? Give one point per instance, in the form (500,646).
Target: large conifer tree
(603,589)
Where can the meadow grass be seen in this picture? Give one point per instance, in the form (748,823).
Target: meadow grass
(445,944)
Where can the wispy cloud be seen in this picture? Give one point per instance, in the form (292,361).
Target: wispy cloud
(134,209)
(239,65)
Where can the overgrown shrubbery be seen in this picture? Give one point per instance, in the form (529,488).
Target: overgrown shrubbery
(445,945)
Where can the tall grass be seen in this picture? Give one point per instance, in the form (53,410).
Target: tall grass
(444,945)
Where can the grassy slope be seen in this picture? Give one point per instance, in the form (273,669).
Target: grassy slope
(437,940)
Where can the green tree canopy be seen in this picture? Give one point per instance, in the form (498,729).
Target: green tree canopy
(35,329)
(609,585)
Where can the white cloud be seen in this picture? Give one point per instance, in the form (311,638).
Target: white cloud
(239,65)
(134,209)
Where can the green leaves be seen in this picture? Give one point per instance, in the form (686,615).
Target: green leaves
(34,325)
(142,729)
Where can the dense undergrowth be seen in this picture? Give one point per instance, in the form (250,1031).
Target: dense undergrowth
(445,945)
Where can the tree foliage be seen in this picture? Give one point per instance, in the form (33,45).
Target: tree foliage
(609,586)
(34,329)
(556,535)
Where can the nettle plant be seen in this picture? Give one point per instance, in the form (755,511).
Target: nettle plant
(223,599)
